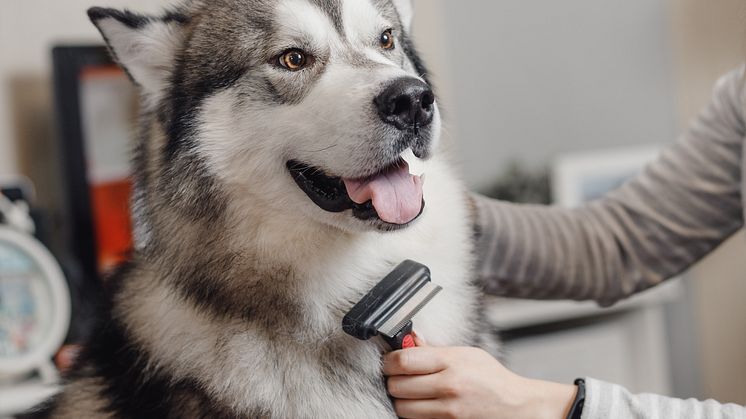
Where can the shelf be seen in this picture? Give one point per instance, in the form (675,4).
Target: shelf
(506,314)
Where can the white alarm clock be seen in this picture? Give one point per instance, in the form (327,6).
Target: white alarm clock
(34,313)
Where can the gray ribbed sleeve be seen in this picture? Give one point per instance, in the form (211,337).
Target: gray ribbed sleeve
(654,227)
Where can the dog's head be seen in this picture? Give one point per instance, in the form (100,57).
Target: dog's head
(298,106)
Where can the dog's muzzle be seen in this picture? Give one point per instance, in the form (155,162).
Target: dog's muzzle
(391,196)
(369,199)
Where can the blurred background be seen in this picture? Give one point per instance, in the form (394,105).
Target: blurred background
(534,87)
(545,102)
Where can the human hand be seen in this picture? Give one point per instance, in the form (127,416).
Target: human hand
(429,382)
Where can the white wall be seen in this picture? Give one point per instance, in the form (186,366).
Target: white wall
(28,30)
(530,78)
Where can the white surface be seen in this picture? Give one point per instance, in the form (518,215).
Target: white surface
(629,350)
(16,215)
(21,398)
(59,306)
(506,314)
(107,103)
(574,173)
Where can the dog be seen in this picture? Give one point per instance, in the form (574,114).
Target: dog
(270,195)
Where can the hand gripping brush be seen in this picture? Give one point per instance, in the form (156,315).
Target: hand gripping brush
(389,307)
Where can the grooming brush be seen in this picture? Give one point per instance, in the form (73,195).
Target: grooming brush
(389,307)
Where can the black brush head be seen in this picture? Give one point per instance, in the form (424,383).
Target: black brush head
(392,303)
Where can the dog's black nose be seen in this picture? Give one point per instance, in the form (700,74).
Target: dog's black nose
(407,103)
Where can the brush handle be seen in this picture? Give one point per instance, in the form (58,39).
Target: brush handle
(403,339)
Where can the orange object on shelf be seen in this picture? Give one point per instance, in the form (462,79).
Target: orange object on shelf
(112,222)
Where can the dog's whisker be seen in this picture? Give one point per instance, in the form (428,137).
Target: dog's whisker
(322,150)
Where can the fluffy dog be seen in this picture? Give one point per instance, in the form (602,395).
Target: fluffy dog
(270,196)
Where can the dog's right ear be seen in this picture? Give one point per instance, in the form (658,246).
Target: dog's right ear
(144,46)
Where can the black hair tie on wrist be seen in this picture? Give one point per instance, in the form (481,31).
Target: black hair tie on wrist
(576,410)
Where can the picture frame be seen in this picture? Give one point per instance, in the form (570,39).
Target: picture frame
(581,177)
(83,159)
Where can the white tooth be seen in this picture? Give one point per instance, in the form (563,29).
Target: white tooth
(416,165)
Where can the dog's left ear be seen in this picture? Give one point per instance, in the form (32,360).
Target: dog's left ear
(144,46)
(406,12)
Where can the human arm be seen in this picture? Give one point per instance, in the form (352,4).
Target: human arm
(653,228)
(465,383)
(428,382)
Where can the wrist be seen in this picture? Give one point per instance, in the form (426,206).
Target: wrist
(553,400)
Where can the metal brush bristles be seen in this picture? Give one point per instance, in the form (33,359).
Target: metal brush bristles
(403,315)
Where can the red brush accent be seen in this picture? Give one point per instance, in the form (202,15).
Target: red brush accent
(408,342)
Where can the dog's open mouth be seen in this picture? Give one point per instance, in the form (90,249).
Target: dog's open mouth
(393,195)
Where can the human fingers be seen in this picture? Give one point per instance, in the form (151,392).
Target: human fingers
(414,387)
(419,341)
(414,361)
(424,409)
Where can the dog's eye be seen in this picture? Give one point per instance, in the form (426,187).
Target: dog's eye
(293,59)
(387,39)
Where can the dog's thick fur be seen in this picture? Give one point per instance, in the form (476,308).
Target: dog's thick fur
(232,304)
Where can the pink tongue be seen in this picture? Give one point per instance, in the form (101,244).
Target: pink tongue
(396,195)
